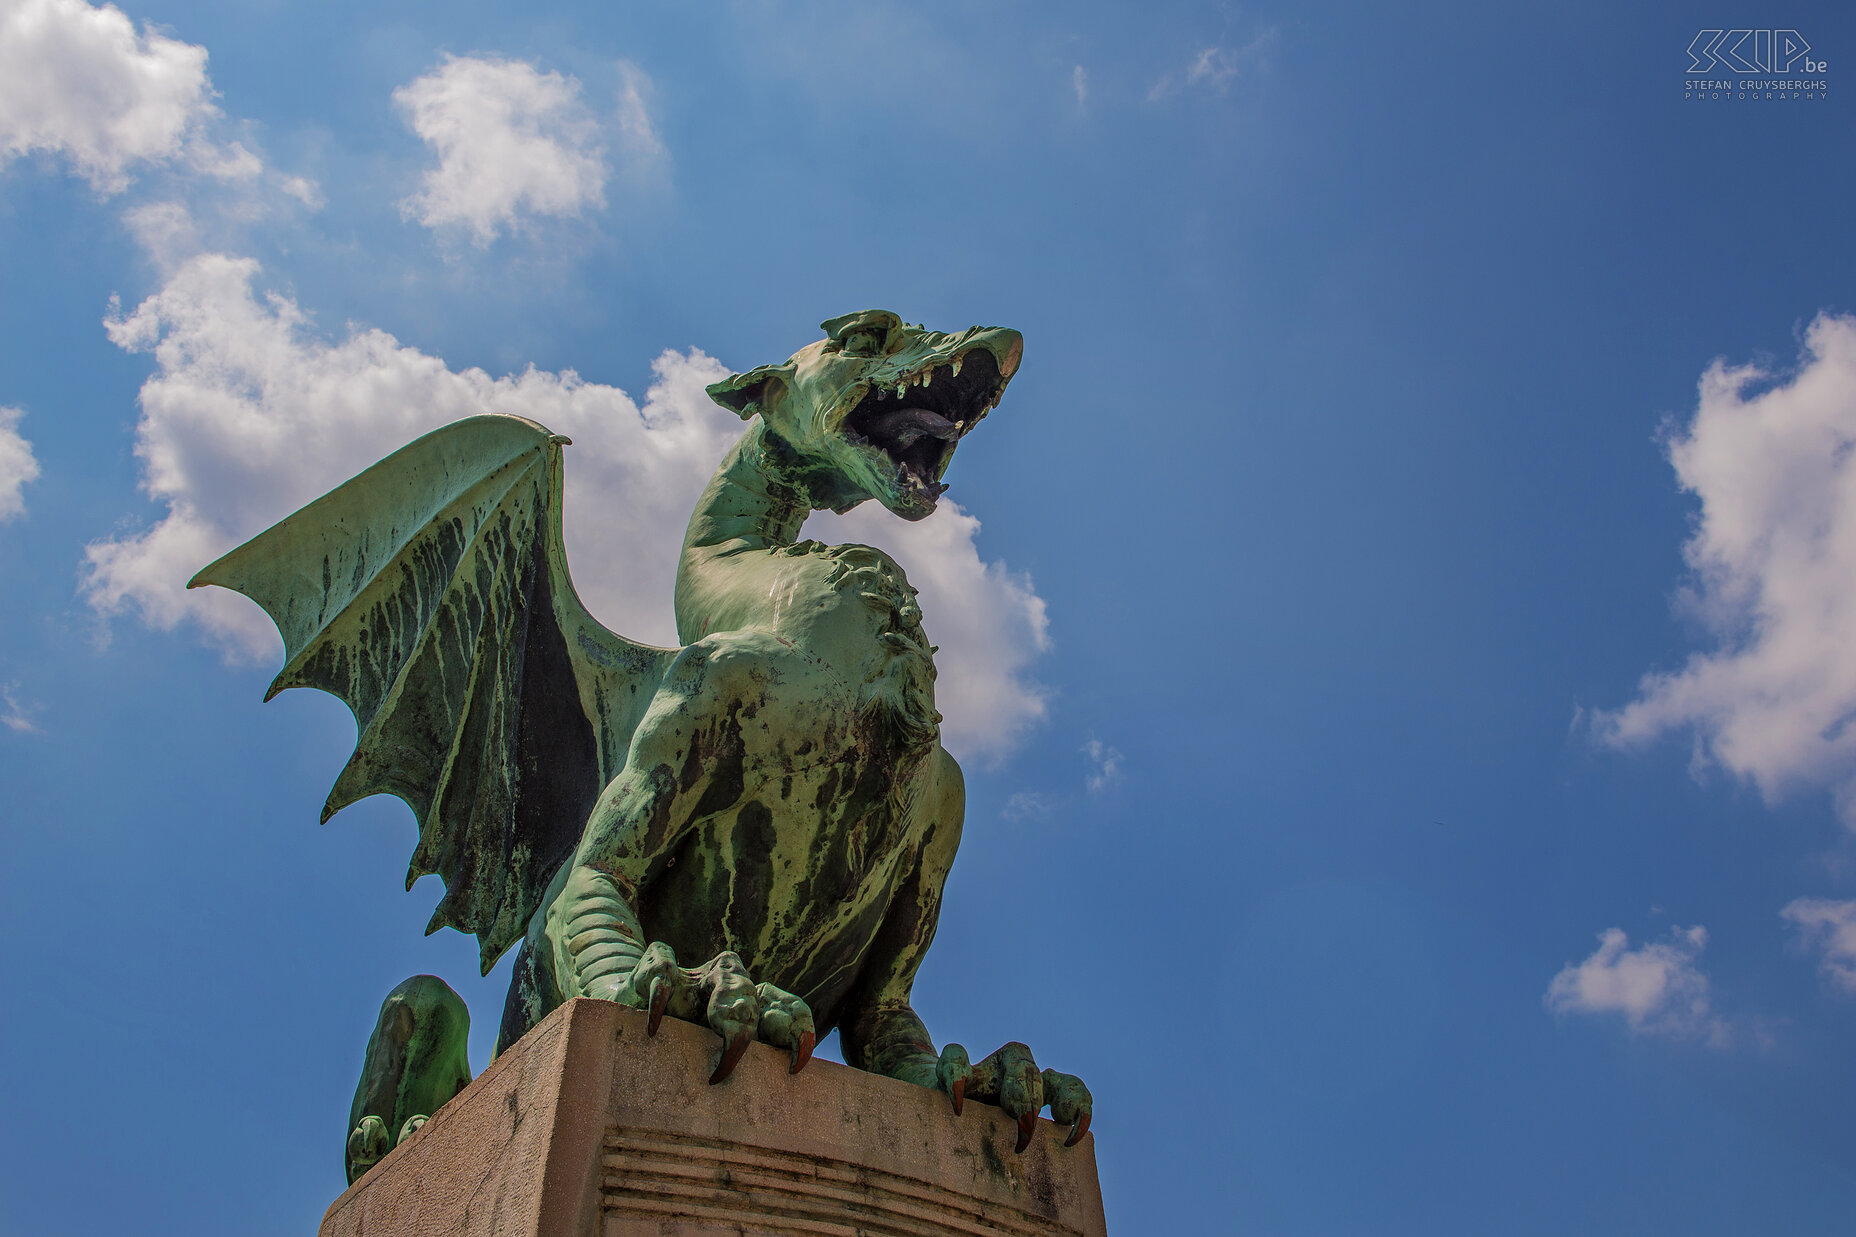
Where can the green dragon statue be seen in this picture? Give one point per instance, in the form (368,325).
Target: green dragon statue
(773,796)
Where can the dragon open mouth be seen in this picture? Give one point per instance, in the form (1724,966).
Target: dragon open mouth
(916,420)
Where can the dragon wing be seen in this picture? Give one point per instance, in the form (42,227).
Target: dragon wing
(431,594)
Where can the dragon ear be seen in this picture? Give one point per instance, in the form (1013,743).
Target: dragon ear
(874,319)
(746,394)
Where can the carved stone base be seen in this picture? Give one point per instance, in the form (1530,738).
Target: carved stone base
(589,1127)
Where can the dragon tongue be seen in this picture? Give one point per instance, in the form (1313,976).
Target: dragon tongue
(905,426)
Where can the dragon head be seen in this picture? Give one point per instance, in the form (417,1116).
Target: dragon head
(876,408)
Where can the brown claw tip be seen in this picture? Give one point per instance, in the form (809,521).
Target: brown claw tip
(731,1056)
(1076,1134)
(959,1093)
(803,1053)
(1027,1125)
(660,997)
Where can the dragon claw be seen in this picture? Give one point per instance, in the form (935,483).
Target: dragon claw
(736,1048)
(368,1144)
(951,1074)
(720,994)
(786,1022)
(1012,1080)
(1027,1126)
(1070,1103)
(660,997)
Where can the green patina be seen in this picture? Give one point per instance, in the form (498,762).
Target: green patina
(772,796)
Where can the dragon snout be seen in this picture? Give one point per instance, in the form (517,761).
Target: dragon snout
(1008,346)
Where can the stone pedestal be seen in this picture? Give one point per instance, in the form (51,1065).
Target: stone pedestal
(588,1126)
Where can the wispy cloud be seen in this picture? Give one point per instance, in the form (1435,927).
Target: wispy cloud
(1659,989)
(1104,766)
(17,465)
(637,131)
(15,715)
(1026,805)
(1079,82)
(1829,927)
(1215,67)
(1772,457)
(512,142)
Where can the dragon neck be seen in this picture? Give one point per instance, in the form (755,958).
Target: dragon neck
(752,503)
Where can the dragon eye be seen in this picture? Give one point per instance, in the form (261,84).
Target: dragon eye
(862,341)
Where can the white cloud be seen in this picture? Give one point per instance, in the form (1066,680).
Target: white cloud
(1026,805)
(14,715)
(1104,766)
(17,467)
(1079,82)
(1659,988)
(166,231)
(250,414)
(512,142)
(636,130)
(1772,457)
(1215,67)
(304,190)
(1829,927)
(80,82)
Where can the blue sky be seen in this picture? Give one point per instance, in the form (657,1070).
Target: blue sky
(1395,626)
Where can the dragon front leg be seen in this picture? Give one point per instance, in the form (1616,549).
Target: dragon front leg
(891,1040)
(600,952)
(887,1037)
(597,944)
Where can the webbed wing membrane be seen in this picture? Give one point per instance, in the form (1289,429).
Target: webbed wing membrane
(431,594)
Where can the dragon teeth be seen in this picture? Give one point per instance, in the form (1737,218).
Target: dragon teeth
(957,361)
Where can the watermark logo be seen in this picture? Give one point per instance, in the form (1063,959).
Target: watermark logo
(1783,55)
(1770,51)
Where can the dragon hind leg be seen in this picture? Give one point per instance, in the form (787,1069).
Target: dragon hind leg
(417,1059)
